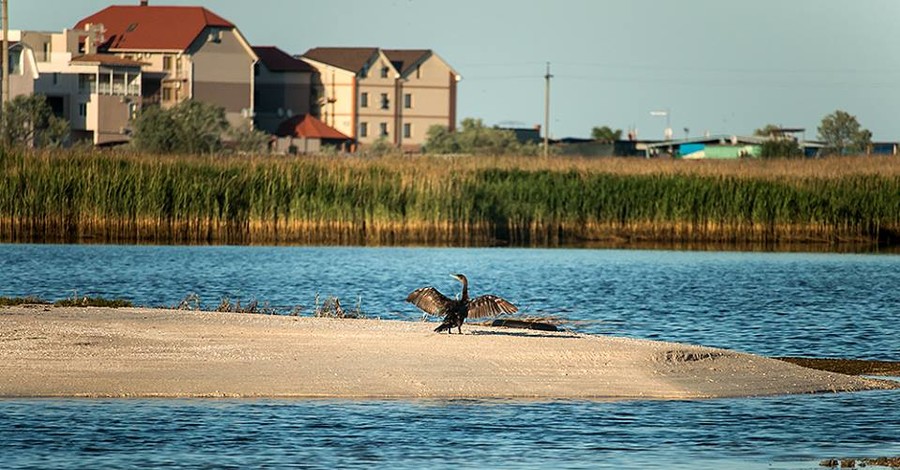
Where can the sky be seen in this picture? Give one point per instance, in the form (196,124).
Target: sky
(715,66)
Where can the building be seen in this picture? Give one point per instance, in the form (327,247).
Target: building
(306,134)
(100,95)
(712,147)
(369,94)
(283,87)
(187,52)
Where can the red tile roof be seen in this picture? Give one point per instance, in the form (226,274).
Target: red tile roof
(277,60)
(347,58)
(306,125)
(153,27)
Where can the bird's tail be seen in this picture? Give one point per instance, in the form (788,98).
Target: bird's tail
(443,326)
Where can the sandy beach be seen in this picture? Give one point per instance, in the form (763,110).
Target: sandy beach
(135,352)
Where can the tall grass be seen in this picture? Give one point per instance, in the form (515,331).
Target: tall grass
(119,198)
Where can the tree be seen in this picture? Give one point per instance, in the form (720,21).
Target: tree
(248,139)
(191,127)
(475,138)
(605,134)
(769,130)
(780,147)
(777,144)
(842,134)
(29,121)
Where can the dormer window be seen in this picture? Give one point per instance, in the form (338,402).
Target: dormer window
(385,71)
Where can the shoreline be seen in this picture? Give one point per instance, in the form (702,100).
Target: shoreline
(57,352)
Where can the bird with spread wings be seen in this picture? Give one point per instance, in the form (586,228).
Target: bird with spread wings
(455,311)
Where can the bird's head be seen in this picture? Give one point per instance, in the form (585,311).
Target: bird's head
(461,278)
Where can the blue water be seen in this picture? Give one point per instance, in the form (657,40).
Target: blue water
(816,305)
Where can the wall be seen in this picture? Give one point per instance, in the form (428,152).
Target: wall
(280,91)
(376,115)
(430,88)
(222,74)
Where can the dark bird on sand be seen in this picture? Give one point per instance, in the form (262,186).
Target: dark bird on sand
(455,311)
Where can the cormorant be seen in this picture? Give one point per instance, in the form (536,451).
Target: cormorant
(454,311)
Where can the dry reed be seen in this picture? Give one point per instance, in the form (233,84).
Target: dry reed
(66,196)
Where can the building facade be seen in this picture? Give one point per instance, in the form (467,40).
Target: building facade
(99,95)
(371,94)
(283,88)
(187,52)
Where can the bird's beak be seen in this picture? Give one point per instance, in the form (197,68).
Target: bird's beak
(455,276)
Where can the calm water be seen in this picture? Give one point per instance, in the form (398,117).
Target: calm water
(772,304)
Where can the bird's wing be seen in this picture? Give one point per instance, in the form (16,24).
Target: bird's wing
(429,300)
(490,305)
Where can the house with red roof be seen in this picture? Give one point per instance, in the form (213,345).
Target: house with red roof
(307,134)
(370,93)
(189,52)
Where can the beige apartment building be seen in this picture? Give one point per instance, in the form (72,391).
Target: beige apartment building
(100,95)
(187,52)
(371,93)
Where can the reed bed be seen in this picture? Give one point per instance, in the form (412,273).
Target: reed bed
(69,196)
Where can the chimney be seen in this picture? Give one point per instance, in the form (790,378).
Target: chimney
(145,3)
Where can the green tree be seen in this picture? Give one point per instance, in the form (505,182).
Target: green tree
(781,147)
(843,135)
(191,127)
(29,121)
(440,140)
(769,130)
(474,138)
(605,134)
(248,139)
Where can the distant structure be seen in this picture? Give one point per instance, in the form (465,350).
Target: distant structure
(368,93)
(187,52)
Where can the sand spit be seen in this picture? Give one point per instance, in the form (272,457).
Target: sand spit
(134,352)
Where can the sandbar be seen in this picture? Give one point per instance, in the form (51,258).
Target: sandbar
(50,351)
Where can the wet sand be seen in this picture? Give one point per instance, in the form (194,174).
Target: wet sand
(132,352)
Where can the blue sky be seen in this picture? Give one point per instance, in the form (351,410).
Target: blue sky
(721,66)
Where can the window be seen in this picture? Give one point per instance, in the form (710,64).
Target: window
(364,100)
(167,63)
(48,49)
(407,101)
(178,67)
(364,72)
(384,72)
(384,129)
(364,129)
(55,78)
(407,130)
(385,102)
(167,94)
(418,71)
(82,109)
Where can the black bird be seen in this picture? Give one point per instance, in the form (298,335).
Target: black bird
(454,311)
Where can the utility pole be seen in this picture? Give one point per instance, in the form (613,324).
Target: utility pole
(5,56)
(547,78)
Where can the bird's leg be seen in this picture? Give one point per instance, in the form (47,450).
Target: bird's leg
(460,328)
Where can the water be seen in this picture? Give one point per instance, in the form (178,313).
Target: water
(773,304)
(822,305)
(777,432)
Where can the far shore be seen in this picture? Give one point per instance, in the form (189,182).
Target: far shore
(136,352)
